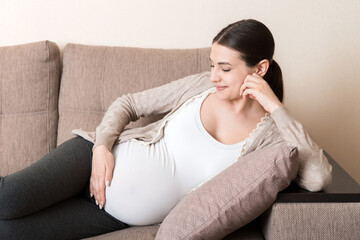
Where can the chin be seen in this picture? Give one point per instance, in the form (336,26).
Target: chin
(226,96)
(222,96)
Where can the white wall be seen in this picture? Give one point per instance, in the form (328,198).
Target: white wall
(318,47)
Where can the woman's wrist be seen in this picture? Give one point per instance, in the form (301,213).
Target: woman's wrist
(281,117)
(100,147)
(274,107)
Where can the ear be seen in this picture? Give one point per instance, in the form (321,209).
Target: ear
(262,67)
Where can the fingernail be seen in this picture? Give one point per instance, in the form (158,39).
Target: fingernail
(107,183)
(91,195)
(100,206)
(96,202)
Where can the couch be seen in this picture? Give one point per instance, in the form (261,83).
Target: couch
(45,95)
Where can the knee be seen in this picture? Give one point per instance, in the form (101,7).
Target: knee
(7,213)
(10,210)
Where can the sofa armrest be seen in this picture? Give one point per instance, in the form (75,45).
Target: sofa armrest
(343,188)
(333,213)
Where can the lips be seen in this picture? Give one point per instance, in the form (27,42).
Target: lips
(220,88)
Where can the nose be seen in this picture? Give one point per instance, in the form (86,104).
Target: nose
(214,76)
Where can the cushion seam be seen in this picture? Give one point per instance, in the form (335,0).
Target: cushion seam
(1,98)
(48,143)
(82,111)
(103,79)
(1,81)
(26,114)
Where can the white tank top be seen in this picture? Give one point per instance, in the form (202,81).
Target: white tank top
(149,180)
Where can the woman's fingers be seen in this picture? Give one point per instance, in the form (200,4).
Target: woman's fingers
(247,85)
(109,169)
(103,182)
(108,177)
(249,93)
(101,175)
(101,193)
(98,191)
(91,187)
(257,88)
(251,81)
(97,188)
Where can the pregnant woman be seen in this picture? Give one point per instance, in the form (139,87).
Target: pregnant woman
(114,178)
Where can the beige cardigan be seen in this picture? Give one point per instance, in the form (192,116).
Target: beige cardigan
(276,128)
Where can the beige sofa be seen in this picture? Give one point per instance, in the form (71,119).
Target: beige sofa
(44,98)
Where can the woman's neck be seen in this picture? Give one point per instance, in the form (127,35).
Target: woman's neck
(241,106)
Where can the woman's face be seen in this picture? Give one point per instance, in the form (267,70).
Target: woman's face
(228,71)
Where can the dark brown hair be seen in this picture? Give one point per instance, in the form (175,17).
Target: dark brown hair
(254,41)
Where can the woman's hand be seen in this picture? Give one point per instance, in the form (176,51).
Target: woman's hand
(255,87)
(101,174)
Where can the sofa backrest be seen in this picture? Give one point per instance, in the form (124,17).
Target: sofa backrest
(34,117)
(29,87)
(94,76)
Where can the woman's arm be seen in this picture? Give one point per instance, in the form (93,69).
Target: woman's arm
(150,102)
(128,108)
(314,171)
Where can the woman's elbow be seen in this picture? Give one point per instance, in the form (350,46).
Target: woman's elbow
(316,179)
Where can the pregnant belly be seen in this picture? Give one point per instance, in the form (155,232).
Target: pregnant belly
(143,189)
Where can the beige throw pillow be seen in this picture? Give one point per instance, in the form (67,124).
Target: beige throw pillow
(234,197)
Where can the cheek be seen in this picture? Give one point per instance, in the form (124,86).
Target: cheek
(238,81)
(234,86)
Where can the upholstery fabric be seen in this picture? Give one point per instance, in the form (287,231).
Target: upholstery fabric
(133,233)
(29,86)
(319,221)
(94,76)
(234,197)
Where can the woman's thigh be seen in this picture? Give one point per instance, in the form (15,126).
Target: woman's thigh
(74,218)
(60,175)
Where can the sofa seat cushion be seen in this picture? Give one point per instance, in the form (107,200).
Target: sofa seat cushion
(252,231)
(29,87)
(132,233)
(233,198)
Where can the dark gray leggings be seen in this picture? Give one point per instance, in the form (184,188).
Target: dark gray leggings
(51,200)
